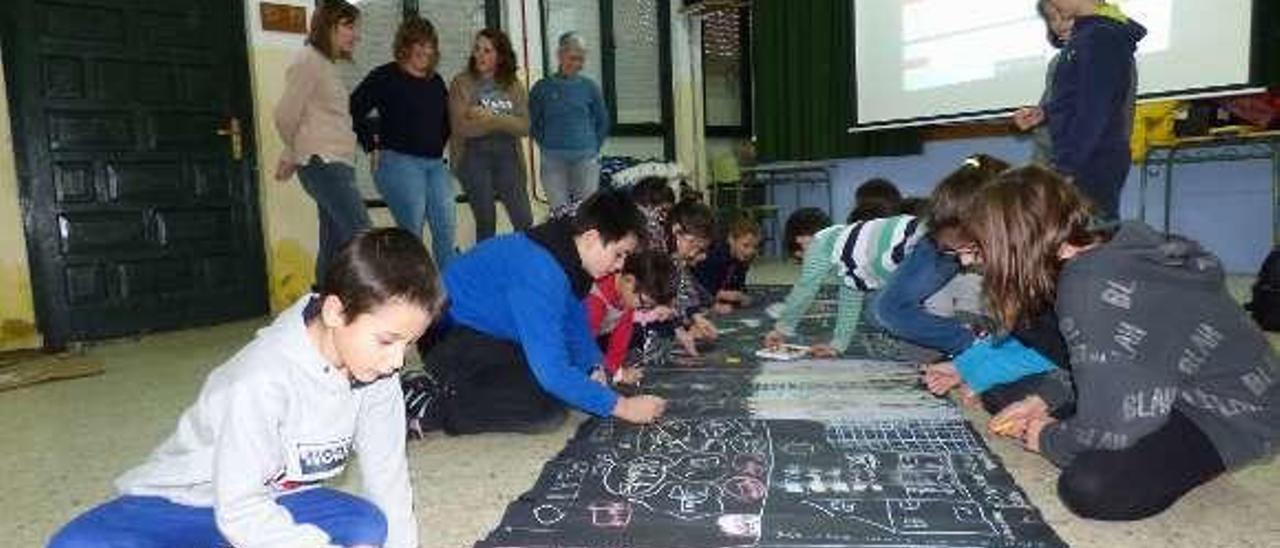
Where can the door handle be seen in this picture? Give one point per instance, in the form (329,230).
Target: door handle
(237,137)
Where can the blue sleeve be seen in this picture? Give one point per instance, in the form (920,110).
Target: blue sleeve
(601,115)
(900,306)
(989,363)
(363,100)
(540,318)
(1102,69)
(585,354)
(537,127)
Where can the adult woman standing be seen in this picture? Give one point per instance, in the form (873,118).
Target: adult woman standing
(409,135)
(489,112)
(315,125)
(570,123)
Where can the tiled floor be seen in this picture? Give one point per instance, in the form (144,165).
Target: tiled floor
(62,443)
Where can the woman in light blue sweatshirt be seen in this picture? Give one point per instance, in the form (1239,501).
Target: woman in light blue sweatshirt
(569,121)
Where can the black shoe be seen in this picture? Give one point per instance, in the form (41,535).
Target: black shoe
(423,396)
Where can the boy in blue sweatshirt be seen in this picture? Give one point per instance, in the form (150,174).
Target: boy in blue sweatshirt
(519,341)
(1090,114)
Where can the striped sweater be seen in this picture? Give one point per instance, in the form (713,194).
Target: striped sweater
(862,256)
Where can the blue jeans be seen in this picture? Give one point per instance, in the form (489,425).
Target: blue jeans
(900,306)
(340,207)
(155,522)
(568,180)
(417,187)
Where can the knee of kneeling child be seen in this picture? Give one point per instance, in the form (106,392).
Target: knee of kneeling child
(75,537)
(1086,492)
(367,525)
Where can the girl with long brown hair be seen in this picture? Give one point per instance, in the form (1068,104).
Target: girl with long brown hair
(1174,384)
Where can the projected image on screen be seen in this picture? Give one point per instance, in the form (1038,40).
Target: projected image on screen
(922,60)
(947,42)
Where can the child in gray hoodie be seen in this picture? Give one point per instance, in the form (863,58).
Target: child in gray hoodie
(1174,383)
(246,463)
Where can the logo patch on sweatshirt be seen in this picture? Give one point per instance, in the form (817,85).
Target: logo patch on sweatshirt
(327,458)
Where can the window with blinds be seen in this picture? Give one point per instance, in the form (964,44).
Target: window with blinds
(726,70)
(637,87)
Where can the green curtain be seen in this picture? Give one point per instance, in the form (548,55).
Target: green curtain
(1266,44)
(803,67)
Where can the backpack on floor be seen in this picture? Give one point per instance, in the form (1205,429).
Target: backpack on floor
(1265,306)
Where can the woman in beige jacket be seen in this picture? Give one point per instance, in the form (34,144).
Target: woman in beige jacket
(489,112)
(314,122)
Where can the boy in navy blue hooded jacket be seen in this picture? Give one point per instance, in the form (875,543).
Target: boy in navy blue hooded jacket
(519,338)
(1091,112)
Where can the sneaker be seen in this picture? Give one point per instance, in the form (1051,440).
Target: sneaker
(423,394)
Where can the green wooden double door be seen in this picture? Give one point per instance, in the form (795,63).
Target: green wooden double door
(132,123)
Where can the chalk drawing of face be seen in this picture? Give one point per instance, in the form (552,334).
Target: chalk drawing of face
(740,525)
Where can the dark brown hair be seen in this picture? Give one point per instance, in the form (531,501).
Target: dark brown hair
(382,265)
(1020,222)
(875,199)
(324,19)
(612,213)
(504,73)
(803,222)
(413,31)
(653,192)
(694,218)
(653,272)
(952,200)
(742,225)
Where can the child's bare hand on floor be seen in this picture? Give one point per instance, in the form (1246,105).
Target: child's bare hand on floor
(702,328)
(640,409)
(774,339)
(823,351)
(1014,420)
(941,377)
(628,375)
(687,341)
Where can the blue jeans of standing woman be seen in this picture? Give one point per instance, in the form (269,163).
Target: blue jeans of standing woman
(341,208)
(417,187)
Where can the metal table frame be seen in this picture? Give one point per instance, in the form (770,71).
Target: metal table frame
(1160,161)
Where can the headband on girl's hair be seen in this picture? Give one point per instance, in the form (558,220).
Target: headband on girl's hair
(973,162)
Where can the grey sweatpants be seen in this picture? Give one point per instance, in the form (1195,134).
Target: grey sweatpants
(491,169)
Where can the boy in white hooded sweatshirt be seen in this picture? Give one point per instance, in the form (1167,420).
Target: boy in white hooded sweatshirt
(244,466)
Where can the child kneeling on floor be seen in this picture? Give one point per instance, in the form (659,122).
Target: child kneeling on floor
(861,255)
(283,415)
(643,286)
(723,274)
(1175,384)
(518,341)
(1000,369)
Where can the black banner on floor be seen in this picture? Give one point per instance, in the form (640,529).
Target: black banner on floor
(806,453)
